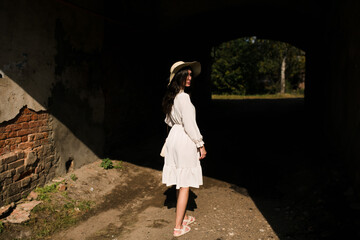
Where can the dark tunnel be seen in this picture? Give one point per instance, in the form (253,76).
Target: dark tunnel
(99,68)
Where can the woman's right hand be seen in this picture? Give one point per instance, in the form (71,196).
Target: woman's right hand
(202,152)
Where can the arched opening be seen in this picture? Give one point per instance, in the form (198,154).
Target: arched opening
(257,67)
(255,128)
(264,145)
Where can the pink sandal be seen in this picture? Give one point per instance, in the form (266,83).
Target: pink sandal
(181,231)
(188,221)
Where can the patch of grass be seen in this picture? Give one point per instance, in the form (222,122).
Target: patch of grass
(106,164)
(118,165)
(43,207)
(69,205)
(44,192)
(73,177)
(65,195)
(84,205)
(259,96)
(51,219)
(59,213)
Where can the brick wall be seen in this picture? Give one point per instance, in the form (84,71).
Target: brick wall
(26,154)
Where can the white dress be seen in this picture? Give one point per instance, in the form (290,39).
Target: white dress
(182,165)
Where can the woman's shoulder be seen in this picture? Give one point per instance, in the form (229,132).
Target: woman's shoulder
(182,98)
(182,95)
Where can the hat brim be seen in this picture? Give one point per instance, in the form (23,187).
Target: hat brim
(195,66)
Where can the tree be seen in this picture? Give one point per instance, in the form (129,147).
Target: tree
(282,79)
(251,66)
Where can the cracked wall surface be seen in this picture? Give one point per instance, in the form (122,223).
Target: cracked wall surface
(27,154)
(50,66)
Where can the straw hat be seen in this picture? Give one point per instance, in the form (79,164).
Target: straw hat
(195,66)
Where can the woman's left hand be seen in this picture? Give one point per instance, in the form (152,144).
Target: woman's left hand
(202,152)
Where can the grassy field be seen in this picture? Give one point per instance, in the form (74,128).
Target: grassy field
(265,96)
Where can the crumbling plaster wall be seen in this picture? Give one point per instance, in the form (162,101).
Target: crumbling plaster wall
(50,62)
(13,97)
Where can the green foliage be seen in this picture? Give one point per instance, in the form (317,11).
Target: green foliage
(84,205)
(79,205)
(73,177)
(52,217)
(118,165)
(65,195)
(252,66)
(69,205)
(44,192)
(60,213)
(1,226)
(44,207)
(106,163)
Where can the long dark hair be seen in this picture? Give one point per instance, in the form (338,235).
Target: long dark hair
(177,83)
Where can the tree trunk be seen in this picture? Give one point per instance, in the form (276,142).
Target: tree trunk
(282,80)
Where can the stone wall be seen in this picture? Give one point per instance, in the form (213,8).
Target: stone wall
(26,154)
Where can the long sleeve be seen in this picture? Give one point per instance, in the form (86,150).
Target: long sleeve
(168,121)
(189,120)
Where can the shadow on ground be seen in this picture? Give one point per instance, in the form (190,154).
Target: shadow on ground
(170,200)
(272,148)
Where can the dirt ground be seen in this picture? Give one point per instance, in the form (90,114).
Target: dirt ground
(133,204)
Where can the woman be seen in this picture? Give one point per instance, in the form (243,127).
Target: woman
(184,146)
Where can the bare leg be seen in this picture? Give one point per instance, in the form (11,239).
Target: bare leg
(177,196)
(182,199)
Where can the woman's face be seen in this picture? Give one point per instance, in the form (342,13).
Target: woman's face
(188,79)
